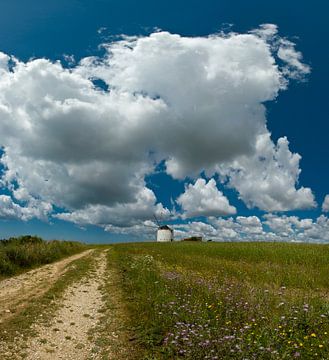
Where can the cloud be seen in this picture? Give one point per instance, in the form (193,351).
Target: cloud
(294,67)
(325,205)
(4,62)
(62,138)
(205,84)
(292,60)
(119,215)
(204,199)
(11,210)
(267,179)
(240,229)
(252,228)
(194,102)
(291,227)
(195,228)
(250,225)
(318,232)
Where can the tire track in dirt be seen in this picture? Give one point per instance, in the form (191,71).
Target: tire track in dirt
(16,292)
(69,336)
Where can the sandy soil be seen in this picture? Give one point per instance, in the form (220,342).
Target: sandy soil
(15,292)
(88,324)
(69,336)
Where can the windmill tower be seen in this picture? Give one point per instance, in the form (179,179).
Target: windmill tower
(164,232)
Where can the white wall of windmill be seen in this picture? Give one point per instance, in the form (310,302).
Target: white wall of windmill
(165,234)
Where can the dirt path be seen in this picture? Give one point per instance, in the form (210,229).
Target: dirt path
(70,334)
(15,292)
(88,320)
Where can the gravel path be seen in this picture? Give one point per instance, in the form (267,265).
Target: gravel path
(89,320)
(69,336)
(15,292)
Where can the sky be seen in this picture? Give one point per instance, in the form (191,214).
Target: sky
(210,115)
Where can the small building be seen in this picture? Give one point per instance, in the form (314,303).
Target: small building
(165,234)
(193,238)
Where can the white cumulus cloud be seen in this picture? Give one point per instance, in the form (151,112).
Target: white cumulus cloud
(194,102)
(11,210)
(119,215)
(204,199)
(252,228)
(267,179)
(325,205)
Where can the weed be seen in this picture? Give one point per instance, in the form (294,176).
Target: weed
(26,252)
(227,301)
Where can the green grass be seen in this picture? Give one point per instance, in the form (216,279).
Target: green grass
(26,252)
(227,300)
(112,332)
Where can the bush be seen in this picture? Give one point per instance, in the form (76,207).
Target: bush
(25,252)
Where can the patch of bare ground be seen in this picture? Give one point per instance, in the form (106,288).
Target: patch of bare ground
(17,291)
(66,337)
(113,338)
(87,321)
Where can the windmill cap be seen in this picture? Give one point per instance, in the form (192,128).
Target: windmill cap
(164,227)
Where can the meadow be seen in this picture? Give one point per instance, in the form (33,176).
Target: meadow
(26,252)
(226,300)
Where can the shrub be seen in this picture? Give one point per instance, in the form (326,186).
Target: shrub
(24,252)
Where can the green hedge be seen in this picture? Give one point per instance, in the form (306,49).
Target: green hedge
(25,252)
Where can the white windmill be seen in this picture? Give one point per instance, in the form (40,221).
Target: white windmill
(164,232)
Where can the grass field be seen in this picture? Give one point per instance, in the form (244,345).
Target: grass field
(26,252)
(227,300)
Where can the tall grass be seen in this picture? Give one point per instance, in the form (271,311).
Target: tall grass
(25,252)
(227,300)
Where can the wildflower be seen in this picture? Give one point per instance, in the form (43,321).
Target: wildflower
(313,335)
(320,346)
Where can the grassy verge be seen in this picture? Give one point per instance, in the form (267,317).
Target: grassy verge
(43,308)
(227,301)
(112,334)
(26,252)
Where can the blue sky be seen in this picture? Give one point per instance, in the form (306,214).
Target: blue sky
(55,29)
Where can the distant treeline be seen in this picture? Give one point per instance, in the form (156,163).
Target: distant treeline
(24,252)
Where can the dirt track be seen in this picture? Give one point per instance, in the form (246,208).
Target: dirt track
(68,336)
(88,321)
(15,292)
